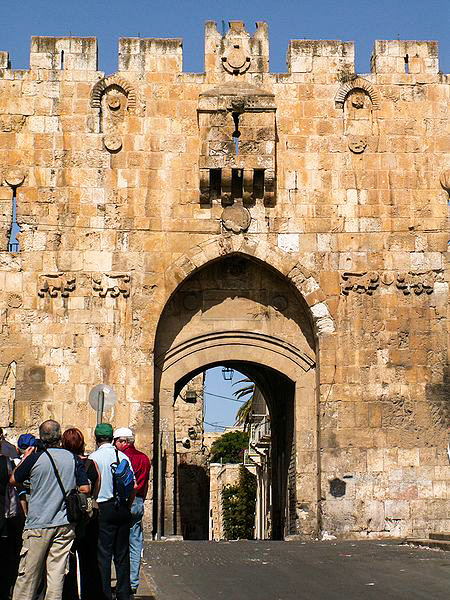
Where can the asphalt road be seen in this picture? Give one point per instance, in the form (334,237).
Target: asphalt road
(296,570)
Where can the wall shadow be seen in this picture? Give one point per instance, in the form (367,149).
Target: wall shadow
(193,498)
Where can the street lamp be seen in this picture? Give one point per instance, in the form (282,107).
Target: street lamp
(227,373)
(190,396)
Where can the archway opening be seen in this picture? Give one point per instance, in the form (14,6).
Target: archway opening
(238,314)
(269,455)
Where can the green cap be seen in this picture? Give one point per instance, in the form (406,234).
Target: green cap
(103,430)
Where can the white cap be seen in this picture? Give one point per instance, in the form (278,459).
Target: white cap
(122,432)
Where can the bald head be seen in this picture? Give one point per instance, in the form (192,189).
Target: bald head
(50,432)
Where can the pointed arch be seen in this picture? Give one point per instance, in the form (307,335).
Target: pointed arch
(361,84)
(103,84)
(287,265)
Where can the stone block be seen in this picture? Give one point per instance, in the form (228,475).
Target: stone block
(408,457)
(63,53)
(4,60)
(392,56)
(150,54)
(397,509)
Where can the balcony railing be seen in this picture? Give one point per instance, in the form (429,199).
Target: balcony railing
(260,433)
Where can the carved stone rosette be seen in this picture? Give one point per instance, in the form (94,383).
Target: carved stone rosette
(236,60)
(236,218)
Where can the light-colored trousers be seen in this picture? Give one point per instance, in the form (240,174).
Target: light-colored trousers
(44,551)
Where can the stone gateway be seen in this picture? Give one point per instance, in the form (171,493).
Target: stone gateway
(293,226)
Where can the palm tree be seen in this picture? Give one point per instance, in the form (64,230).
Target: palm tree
(244,412)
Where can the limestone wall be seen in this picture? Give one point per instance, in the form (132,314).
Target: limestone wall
(116,203)
(221,476)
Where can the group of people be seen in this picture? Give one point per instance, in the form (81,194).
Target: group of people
(45,555)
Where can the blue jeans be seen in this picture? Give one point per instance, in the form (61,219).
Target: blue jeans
(136,540)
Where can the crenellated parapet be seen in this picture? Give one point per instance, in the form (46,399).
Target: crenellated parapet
(321,56)
(141,55)
(408,57)
(235,53)
(65,53)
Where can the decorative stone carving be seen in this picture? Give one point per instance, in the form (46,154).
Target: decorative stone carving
(388,278)
(100,87)
(112,142)
(235,60)
(280,302)
(192,301)
(415,282)
(236,218)
(113,103)
(113,97)
(357,145)
(56,284)
(15,177)
(412,281)
(112,284)
(359,83)
(362,283)
(358,98)
(14,301)
(112,114)
(445,180)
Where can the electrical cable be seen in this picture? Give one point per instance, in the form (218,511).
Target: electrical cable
(216,425)
(225,397)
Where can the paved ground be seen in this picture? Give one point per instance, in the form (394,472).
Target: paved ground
(295,570)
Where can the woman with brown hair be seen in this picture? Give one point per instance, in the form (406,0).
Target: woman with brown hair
(85,544)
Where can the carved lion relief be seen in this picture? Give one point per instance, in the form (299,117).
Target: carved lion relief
(407,282)
(56,284)
(111,284)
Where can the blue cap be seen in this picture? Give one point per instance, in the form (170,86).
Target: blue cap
(25,441)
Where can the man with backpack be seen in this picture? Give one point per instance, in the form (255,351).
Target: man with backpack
(124,441)
(114,500)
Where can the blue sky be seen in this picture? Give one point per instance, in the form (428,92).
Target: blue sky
(362,21)
(220,404)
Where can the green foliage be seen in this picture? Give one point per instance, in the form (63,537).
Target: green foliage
(229,448)
(244,413)
(238,505)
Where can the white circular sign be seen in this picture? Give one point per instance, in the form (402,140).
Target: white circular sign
(109,396)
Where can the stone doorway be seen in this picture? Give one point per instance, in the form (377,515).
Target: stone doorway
(191,495)
(241,313)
